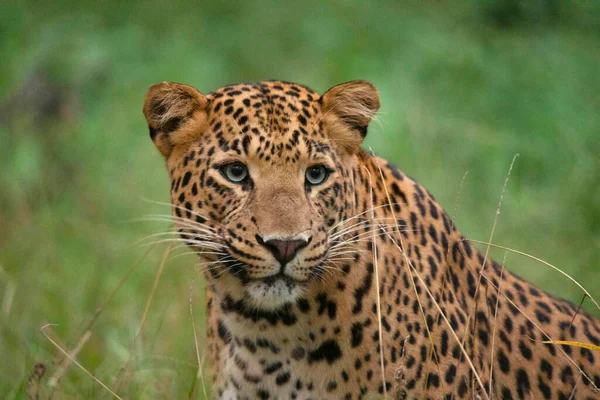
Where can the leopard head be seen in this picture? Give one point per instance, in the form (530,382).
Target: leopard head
(262,174)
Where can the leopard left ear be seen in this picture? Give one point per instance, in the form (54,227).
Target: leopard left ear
(347,109)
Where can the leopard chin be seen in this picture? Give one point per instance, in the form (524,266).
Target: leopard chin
(272,294)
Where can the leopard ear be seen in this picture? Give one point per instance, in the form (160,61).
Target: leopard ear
(169,108)
(347,109)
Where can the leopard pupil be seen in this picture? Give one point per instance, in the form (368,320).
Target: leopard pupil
(237,171)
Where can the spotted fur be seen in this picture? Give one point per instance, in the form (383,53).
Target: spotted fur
(308,328)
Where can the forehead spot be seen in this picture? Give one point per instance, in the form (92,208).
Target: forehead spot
(271,121)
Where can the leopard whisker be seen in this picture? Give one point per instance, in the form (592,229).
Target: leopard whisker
(340,259)
(355,240)
(197,253)
(365,222)
(199,243)
(177,207)
(365,212)
(178,221)
(355,228)
(381,228)
(331,256)
(229,267)
(178,235)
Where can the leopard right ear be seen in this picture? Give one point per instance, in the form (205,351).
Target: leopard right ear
(348,108)
(169,109)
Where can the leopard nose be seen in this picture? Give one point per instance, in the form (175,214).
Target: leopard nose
(284,250)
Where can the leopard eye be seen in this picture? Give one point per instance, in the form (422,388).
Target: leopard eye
(316,175)
(235,172)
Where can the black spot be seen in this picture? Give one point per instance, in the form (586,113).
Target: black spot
(545,389)
(282,378)
(246,143)
(262,394)
(363,289)
(483,336)
(451,374)
(546,367)
(542,317)
(506,394)
(462,388)
(523,386)
(357,363)
(249,345)
(433,380)
(357,334)
(433,267)
(566,376)
(303,305)
(186,179)
(444,343)
(223,332)
(325,304)
(345,376)
(329,351)
(388,386)
(331,386)
(272,367)
(298,353)
(503,361)
(525,351)
(471,282)
(433,210)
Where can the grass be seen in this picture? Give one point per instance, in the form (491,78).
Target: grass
(463,88)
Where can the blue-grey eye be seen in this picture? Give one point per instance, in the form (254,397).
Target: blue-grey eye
(316,175)
(235,172)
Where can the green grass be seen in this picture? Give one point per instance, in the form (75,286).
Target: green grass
(463,88)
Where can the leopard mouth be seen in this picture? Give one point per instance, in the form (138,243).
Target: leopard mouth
(279,276)
(242,270)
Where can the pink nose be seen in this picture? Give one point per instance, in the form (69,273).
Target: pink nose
(285,250)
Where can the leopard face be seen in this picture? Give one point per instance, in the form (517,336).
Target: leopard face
(260,177)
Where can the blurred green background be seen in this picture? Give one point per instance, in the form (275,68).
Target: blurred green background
(464,87)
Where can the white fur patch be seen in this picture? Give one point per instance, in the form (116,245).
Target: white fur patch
(272,295)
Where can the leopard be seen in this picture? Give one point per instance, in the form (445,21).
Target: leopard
(331,274)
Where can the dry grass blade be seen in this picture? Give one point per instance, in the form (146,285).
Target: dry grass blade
(588,346)
(125,367)
(589,296)
(9,292)
(494,325)
(487,250)
(512,303)
(572,396)
(376,265)
(458,194)
(53,382)
(199,373)
(410,270)
(437,306)
(577,311)
(42,329)
(63,367)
